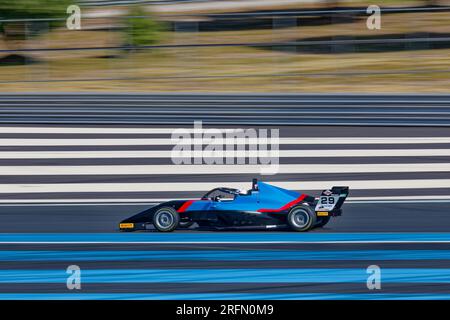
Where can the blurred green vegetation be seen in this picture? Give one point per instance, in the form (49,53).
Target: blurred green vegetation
(142,31)
(30,9)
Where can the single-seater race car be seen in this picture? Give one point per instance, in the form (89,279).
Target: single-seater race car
(264,206)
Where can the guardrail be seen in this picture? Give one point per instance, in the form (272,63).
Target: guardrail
(224,109)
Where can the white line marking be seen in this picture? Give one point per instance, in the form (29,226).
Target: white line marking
(84,130)
(223,169)
(398,201)
(168,141)
(205,186)
(73,130)
(395,198)
(90,130)
(280,153)
(49,203)
(33,202)
(151,201)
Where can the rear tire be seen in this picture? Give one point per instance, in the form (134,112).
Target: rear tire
(166,219)
(322,222)
(301,218)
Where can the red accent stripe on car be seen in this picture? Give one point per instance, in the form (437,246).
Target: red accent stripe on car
(185,205)
(286,206)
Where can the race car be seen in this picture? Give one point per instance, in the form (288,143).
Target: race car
(264,206)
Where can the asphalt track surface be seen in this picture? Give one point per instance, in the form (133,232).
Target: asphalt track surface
(361,217)
(54,213)
(410,242)
(243,109)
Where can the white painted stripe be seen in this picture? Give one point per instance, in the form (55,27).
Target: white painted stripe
(152,201)
(204,186)
(91,130)
(81,202)
(398,198)
(84,130)
(223,169)
(303,141)
(84,142)
(397,201)
(280,153)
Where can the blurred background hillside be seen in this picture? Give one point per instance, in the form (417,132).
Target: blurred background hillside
(225,46)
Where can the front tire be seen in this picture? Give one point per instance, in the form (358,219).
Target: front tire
(166,219)
(301,218)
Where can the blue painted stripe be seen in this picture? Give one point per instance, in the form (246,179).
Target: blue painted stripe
(237,237)
(227,255)
(325,275)
(222,296)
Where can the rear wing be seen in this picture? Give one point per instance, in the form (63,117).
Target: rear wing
(331,200)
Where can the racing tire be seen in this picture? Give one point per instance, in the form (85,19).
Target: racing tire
(166,219)
(301,218)
(322,222)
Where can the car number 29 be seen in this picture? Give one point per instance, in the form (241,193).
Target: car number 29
(327,203)
(327,200)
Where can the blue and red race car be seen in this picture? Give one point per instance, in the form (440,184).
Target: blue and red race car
(264,206)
